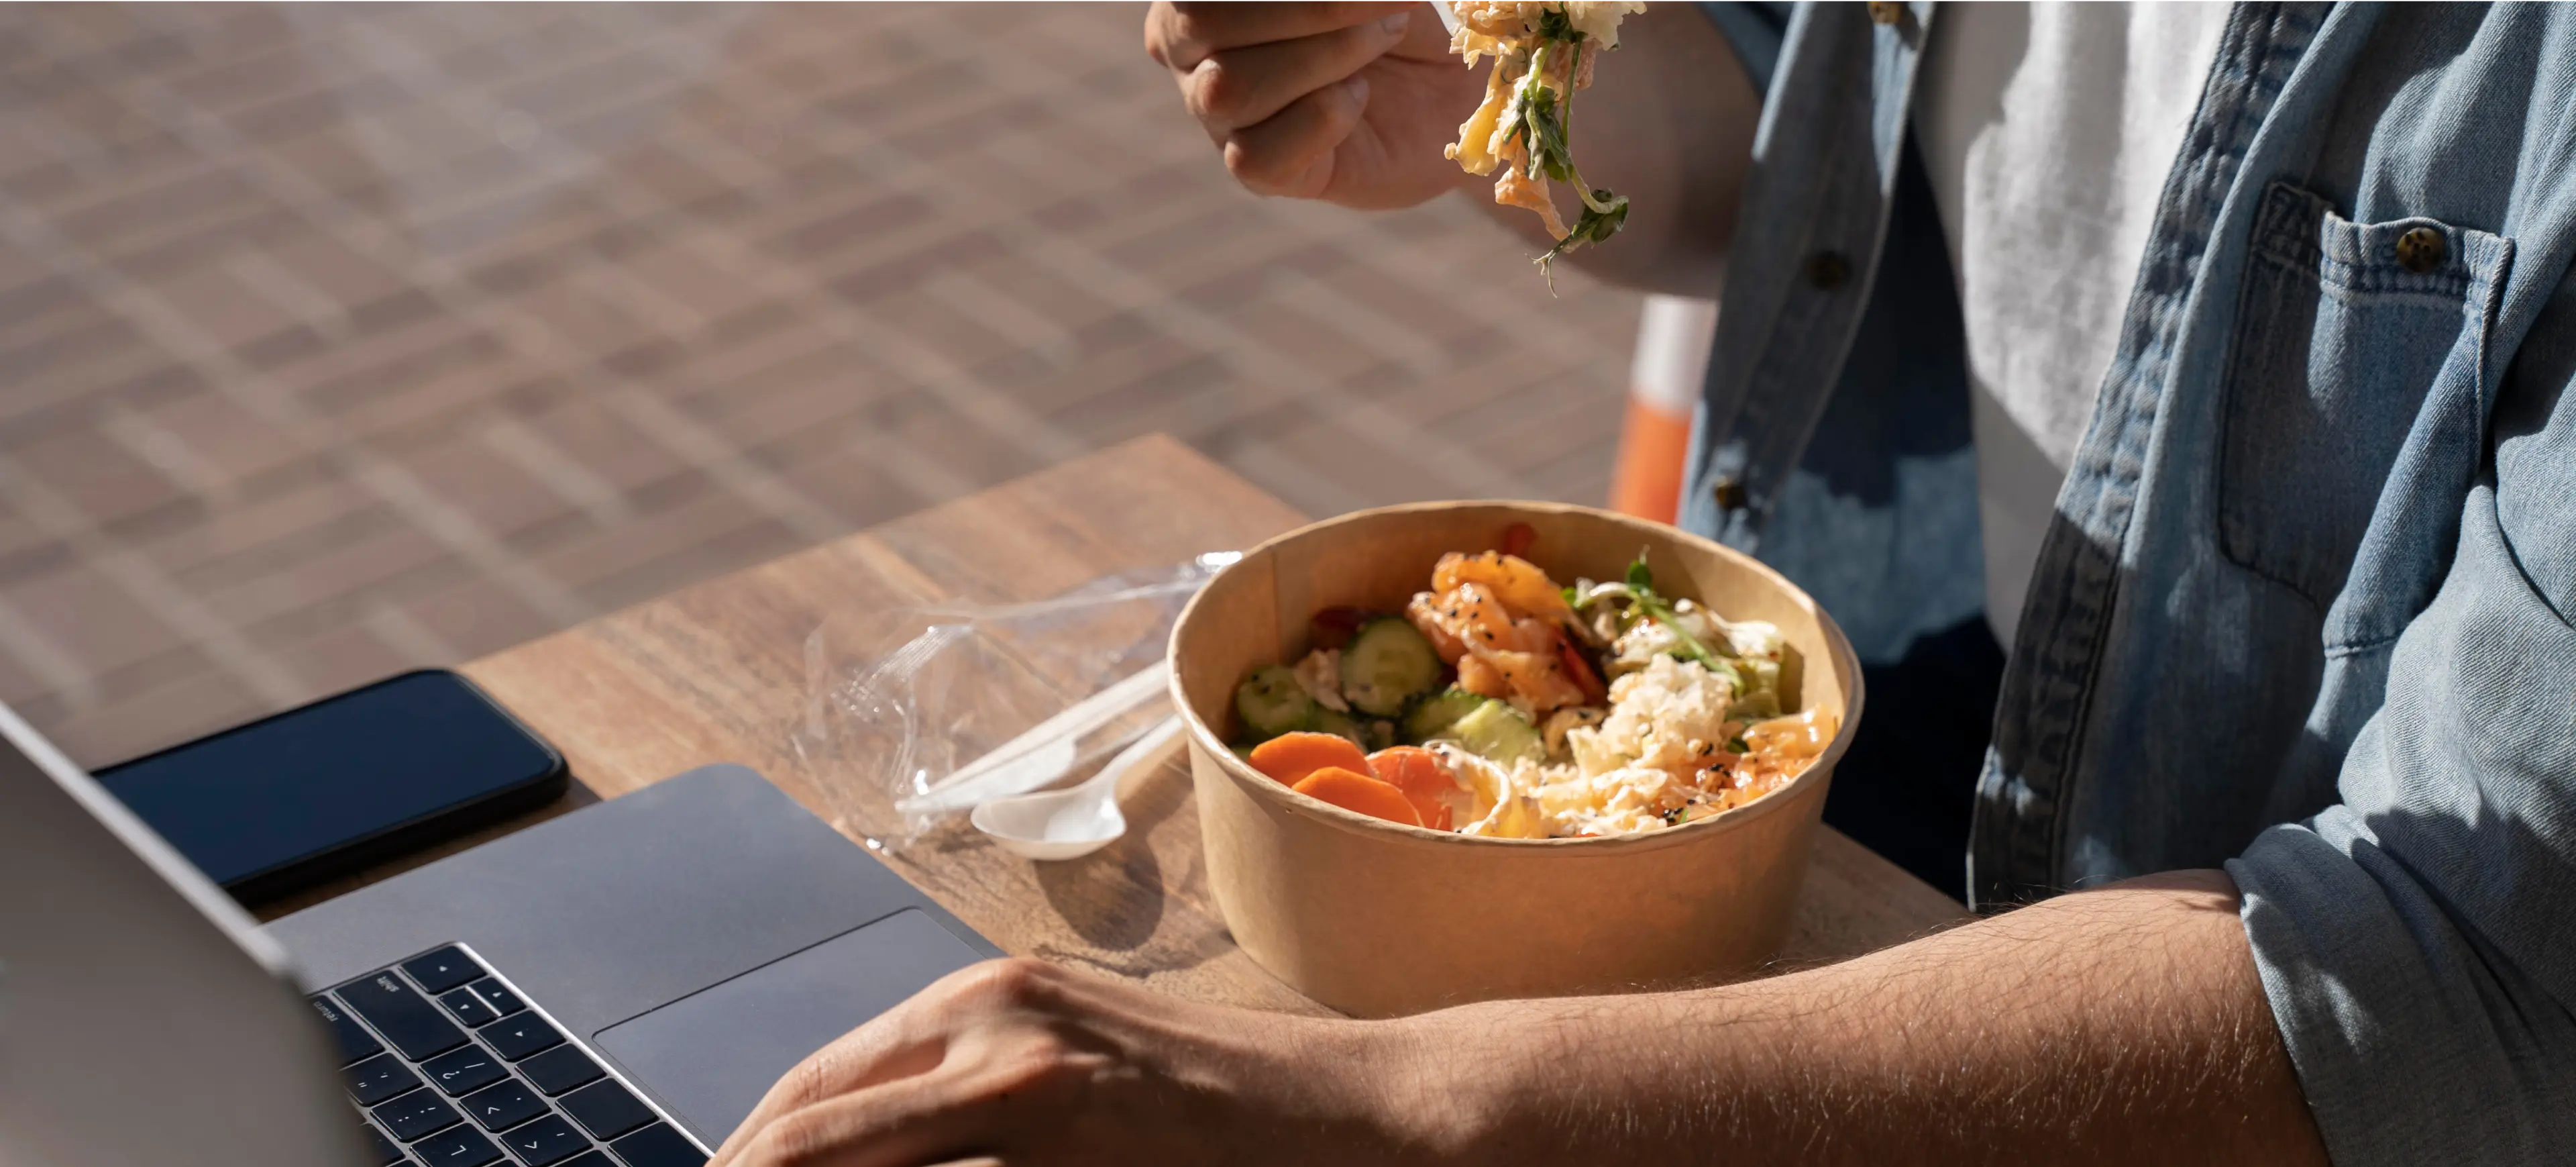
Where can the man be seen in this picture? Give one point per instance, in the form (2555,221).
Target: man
(2276,291)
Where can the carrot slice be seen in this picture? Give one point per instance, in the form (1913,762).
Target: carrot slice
(1289,757)
(1418,774)
(1354,791)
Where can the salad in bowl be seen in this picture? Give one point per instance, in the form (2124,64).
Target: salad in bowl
(1499,702)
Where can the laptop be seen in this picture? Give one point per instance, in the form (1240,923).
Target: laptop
(614,987)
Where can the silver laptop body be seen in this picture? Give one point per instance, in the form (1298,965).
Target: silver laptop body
(691,941)
(143,1017)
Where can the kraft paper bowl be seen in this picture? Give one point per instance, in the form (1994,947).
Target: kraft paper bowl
(1379,919)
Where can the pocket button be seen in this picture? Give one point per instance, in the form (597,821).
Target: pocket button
(2420,250)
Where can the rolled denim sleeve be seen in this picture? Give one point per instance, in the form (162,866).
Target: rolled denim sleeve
(2418,940)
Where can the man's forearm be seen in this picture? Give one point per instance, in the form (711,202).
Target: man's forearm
(2119,1025)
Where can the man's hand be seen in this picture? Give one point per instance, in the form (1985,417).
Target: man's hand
(1353,104)
(1349,103)
(1023,1063)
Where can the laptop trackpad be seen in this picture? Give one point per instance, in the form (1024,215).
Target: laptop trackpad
(711,1055)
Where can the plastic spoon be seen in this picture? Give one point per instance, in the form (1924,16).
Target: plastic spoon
(1079,819)
(1043,753)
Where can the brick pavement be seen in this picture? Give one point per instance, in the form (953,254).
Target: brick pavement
(340,340)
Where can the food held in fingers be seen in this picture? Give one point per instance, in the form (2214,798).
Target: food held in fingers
(1544,53)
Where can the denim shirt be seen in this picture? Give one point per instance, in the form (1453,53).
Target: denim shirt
(2305,606)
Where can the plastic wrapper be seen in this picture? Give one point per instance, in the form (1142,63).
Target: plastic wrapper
(903,705)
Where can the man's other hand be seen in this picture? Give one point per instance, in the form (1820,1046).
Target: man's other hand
(1349,103)
(1024,1063)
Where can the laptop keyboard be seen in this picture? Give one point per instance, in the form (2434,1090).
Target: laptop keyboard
(449,1068)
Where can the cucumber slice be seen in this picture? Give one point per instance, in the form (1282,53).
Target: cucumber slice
(1386,665)
(1341,725)
(1498,732)
(1272,703)
(1433,715)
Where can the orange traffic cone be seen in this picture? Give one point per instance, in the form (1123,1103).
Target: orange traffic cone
(1673,336)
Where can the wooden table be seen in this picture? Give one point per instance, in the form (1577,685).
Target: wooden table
(718,673)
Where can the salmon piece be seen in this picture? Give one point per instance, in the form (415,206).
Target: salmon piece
(1536,677)
(1477,675)
(1478,619)
(1517,582)
(1426,613)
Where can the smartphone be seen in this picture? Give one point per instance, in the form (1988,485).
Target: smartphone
(288,801)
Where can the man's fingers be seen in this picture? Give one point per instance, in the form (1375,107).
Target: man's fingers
(1181,35)
(888,1048)
(913,1042)
(1292,152)
(899,1124)
(977,1106)
(1241,87)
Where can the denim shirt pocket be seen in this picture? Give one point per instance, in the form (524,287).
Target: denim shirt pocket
(2360,372)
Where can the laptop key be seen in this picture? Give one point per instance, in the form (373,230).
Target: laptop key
(504,1106)
(545,1142)
(593,1159)
(461,1147)
(657,1146)
(406,1018)
(444,969)
(559,1069)
(465,1070)
(388,1152)
(378,1078)
(414,1115)
(518,1037)
(355,1045)
(498,996)
(464,1006)
(606,1109)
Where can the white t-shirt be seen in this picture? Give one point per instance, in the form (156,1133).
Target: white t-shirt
(2047,131)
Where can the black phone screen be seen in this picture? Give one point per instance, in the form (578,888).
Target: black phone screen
(250,803)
